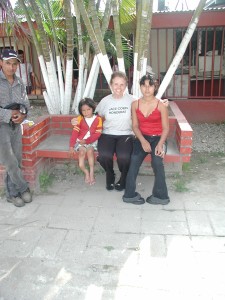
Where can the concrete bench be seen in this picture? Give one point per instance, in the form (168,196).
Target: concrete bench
(46,144)
(56,146)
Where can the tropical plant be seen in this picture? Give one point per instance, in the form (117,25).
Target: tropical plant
(60,26)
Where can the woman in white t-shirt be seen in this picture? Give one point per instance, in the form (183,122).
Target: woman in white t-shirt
(117,137)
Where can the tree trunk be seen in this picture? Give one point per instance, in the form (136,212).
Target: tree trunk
(81,63)
(117,33)
(69,57)
(97,42)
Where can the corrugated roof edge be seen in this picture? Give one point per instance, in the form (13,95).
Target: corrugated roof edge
(190,10)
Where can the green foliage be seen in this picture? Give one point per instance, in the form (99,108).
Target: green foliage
(127,16)
(71,168)
(57,17)
(2,192)
(109,248)
(181,179)
(202,159)
(110,45)
(218,154)
(180,184)
(186,167)
(45,181)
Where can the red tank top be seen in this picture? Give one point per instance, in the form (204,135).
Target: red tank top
(151,125)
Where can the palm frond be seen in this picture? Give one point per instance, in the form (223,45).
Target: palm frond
(111,48)
(127,16)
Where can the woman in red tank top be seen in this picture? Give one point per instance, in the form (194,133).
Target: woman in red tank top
(150,124)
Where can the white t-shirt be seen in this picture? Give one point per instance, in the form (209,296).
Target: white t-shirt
(23,71)
(117,114)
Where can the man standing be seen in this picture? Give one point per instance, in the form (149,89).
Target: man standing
(12,91)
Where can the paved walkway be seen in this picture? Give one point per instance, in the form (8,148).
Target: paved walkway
(83,243)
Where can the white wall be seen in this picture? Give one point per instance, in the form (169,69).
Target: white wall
(160,56)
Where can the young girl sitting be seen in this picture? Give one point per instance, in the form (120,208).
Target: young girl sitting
(84,137)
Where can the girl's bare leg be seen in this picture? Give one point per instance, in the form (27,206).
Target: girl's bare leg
(91,161)
(82,153)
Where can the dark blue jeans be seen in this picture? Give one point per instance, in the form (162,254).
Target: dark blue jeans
(137,157)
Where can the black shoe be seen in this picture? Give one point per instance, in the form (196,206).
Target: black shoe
(135,201)
(110,180)
(155,200)
(110,187)
(17,201)
(26,196)
(119,187)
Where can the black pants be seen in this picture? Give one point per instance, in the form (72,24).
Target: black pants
(122,146)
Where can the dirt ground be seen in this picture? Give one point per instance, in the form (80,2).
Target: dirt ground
(205,172)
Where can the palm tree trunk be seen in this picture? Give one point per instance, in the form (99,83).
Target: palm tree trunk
(97,42)
(94,72)
(69,57)
(148,11)
(49,102)
(146,19)
(136,43)
(58,59)
(116,22)
(52,89)
(81,63)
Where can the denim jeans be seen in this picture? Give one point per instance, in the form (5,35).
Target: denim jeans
(11,157)
(137,157)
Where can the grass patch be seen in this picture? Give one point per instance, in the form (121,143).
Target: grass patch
(217,154)
(2,192)
(202,160)
(180,183)
(186,167)
(72,168)
(199,158)
(109,248)
(45,181)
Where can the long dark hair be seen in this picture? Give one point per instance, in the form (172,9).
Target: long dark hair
(86,101)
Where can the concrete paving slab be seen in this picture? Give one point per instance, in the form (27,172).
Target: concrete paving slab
(77,242)
(199,223)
